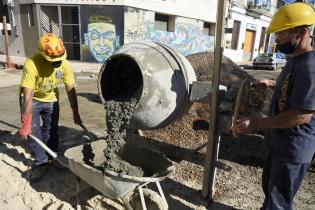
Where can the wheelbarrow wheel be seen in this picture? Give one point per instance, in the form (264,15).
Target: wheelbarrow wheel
(153,200)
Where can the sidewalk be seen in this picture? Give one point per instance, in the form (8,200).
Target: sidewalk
(244,63)
(77,66)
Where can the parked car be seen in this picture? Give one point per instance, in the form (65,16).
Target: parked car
(271,61)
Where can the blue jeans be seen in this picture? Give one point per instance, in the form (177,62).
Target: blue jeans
(48,113)
(280,182)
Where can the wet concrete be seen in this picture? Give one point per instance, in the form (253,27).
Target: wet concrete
(118,114)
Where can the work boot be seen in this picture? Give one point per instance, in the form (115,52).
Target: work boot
(56,164)
(38,171)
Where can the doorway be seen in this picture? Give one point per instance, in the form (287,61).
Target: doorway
(248,49)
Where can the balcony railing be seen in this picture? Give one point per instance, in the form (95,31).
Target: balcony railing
(259,6)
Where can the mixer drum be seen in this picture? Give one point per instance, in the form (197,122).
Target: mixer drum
(156,75)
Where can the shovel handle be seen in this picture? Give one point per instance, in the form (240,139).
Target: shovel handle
(40,143)
(87,132)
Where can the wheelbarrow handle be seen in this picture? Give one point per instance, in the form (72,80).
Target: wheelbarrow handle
(40,143)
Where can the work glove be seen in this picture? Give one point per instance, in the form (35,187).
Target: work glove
(76,116)
(26,126)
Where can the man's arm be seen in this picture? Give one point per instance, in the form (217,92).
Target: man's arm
(72,96)
(288,119)
(27,100)
(26,113)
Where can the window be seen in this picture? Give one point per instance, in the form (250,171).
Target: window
(164,22)
(30,15)
(209,29)
(267,42)
(262,38)
(4,13)
(235,34)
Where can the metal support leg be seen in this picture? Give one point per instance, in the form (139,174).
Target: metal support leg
(77,184)
(126,202)
(161,192)
(142,199)
(99,202)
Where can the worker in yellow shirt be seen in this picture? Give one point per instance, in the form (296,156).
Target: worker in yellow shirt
(39,98)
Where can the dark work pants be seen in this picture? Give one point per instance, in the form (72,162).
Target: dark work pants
(48,113)
(280,182)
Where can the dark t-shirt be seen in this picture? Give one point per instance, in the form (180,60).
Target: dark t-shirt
(295,89)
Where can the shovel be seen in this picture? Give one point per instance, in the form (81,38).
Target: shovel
(62,160)
(91,136)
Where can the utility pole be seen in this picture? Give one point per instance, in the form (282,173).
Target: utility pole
(9,64)
(214,133)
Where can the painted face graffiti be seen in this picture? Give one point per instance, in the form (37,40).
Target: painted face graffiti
(101,40)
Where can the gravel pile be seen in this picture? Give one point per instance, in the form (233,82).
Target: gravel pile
(190,132)
(259,99)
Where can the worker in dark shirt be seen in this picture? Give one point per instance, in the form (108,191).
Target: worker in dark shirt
(290,127)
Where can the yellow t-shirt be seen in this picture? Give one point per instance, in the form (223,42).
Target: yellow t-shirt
(44,79)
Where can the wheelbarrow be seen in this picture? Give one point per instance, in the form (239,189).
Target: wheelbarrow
(86,161)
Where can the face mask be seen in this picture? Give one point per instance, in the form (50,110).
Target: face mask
(288,47)
(56,64)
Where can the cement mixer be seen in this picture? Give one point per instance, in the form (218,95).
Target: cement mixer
(159,77)
(164,83)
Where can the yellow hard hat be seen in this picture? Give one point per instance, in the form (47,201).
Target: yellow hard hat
(51,47)
(291,16)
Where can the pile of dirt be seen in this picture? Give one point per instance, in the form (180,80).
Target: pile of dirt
(231,75)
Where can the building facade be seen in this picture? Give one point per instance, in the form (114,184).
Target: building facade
(93,29)
(246,25)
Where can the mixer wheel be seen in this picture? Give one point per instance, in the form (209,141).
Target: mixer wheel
(153,200)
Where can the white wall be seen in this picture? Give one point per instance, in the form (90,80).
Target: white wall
(16,46)
(197,9)
(239,14)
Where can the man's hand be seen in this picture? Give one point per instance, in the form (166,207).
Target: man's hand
(76,116)
(26,126)
(246,125)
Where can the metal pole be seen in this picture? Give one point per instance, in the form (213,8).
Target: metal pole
(214,134)
(6,43)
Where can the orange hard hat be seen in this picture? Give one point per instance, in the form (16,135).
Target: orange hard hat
(51,47)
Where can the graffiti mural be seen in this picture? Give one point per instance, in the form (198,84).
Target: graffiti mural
(101,32)
(101,39)
(187,39)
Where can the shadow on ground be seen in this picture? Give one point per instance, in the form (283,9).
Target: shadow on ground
(247,150)
(60,183)
(91,97)
(231,149)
